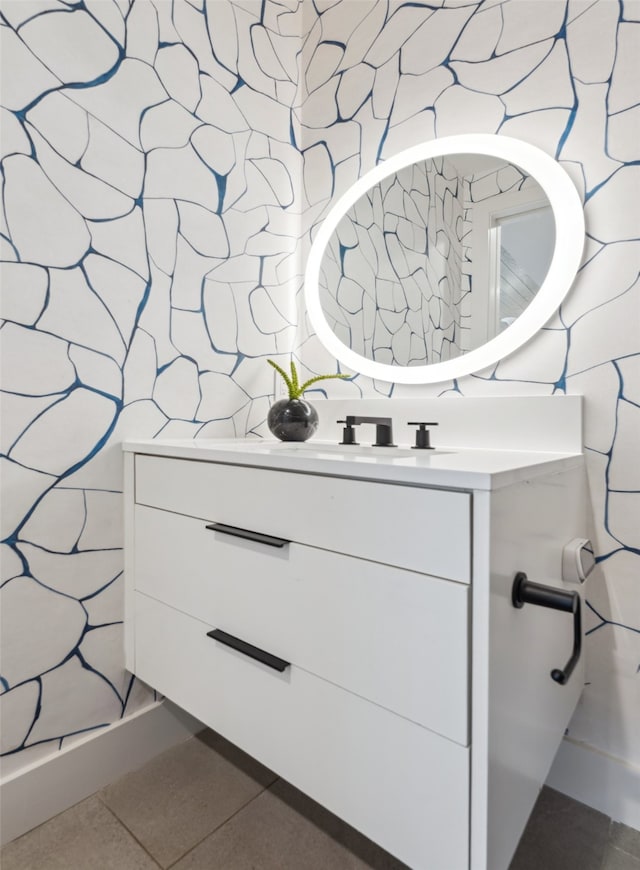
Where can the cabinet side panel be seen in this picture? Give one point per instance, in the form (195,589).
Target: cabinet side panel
(129,576)
(479,676)
(528,712)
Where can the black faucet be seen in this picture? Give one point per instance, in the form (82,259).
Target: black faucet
(384,435)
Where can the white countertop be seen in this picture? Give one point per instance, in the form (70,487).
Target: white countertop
(460,468)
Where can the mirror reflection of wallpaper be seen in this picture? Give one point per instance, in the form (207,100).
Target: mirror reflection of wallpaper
(391,279)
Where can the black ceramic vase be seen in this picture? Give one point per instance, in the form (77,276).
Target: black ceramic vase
(292,420)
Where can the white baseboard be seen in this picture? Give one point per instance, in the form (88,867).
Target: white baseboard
(599,780)
(45,788)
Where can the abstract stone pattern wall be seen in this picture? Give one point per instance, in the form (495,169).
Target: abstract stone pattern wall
(384,76)
(164,164)
(391,278)
(150,210)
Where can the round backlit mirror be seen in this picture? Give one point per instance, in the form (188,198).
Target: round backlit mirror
(444,259)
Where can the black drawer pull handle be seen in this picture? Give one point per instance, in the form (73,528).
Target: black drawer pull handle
(525,592)
(248,535)
(249,650)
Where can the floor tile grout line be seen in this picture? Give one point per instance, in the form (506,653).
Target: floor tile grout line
(611,850)
(129,831)
(624,851)
(222,824)
(606,845)
(616,846)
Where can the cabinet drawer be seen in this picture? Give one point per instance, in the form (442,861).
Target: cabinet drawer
(398,783)
(426,530)
(398,638)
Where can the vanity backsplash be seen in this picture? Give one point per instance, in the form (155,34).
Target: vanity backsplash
(537,423)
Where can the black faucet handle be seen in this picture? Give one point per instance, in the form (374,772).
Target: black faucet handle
(422,435)
(348,433)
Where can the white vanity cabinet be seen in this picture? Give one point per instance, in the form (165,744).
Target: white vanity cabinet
(353,630)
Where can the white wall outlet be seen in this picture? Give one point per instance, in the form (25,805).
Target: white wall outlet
(279,387)
(578,560)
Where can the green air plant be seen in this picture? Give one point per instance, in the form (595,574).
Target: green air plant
(296,389)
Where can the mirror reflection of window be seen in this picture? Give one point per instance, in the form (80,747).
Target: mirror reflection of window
(525,242)
(512,244)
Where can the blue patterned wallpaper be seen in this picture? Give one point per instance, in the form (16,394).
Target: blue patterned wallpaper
(164,163)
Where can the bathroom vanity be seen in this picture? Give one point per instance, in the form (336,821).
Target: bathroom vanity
(345,616)
(396,632)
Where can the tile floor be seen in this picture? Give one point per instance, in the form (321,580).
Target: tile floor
(204,805)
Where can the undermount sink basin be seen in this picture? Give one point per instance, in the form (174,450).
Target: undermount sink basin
(349,451)
(329,450)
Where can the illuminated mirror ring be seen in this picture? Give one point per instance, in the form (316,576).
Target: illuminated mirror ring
(569,242)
